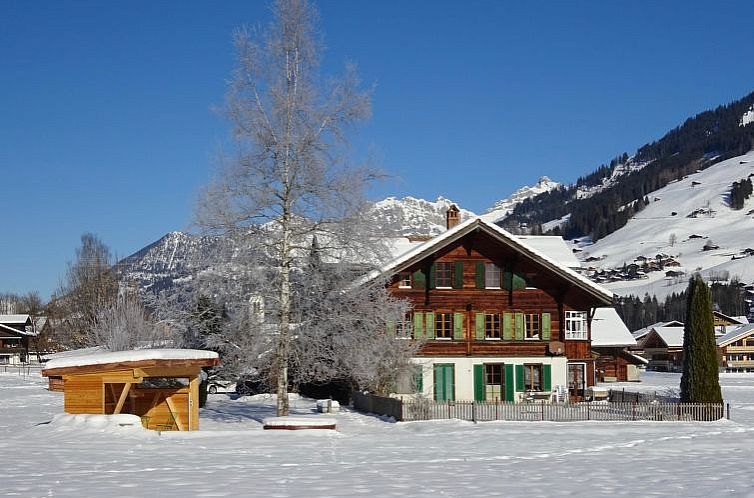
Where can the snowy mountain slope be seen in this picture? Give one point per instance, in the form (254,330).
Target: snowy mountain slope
(412,216)
(679,221)
(504,207)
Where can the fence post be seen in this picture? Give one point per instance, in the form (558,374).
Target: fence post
(727,409)
(473,411)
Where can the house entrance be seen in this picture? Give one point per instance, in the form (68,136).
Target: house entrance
(576,381)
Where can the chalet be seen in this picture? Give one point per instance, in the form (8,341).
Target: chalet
(497,317)
(724,323)
(611,340)
(663,347)
(161,386)
(15,332)
(736,350)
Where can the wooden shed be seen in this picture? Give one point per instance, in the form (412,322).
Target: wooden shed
(159,385)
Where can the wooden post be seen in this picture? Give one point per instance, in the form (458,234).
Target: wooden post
(727,406)
(122,399)
(193,401)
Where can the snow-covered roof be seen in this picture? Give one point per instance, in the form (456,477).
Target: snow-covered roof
(638,334)
(671,336)
(431,246)
(735,335)
(609,330)
(553,246)
(97,356)
(14,318)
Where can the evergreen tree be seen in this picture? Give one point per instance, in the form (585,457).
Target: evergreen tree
(699,382)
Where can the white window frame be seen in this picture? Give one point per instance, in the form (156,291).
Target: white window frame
(527,332)
(490,271)
(404,280)
(576,325)
(404,329)
(450,271)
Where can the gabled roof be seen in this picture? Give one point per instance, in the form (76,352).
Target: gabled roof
(609,330)
(11,329)
(554,247)
(735,335)
(638,334)
(729,318)
(428,248)
(671,336)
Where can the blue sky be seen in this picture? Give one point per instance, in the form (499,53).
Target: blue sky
(106,123)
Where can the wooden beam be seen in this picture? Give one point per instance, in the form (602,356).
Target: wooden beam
(122,399)
(174,413)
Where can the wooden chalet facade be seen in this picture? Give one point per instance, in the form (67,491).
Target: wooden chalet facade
(498,319)
(15,333)
(161,386)
(736,350)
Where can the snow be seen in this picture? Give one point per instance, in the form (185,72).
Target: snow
(14,318)
(748,117)
(648,232)
(299,421)
(95,356)
(609,330)
(735,334)
(233,456)
(504,207)
(672,336)
(554,247)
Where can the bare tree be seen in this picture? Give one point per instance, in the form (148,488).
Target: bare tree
(90,286)
(124,325)
(290,177)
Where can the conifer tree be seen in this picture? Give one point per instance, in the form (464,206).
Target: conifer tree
(699,382)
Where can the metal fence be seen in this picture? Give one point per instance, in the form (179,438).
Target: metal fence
(479,411)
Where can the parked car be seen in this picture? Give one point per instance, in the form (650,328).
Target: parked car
(221,386)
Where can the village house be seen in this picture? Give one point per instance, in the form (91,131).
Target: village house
(15,333)
(499,319)
(611,341)
(736,350)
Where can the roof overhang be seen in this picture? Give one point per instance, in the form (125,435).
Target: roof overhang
(601,294)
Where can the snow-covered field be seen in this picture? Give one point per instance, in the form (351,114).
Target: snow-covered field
(368,456)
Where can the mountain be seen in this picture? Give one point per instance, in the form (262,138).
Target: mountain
(502,208)
(603,201)
(410,216)
(178,255)
(692,222)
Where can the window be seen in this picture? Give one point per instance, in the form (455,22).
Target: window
(494,381)
(404,329)
(533,377)
(443,275)
(750,341)
(532,326)
(404,280)
(444,325)
(575,326)
(491,326)
(492,276)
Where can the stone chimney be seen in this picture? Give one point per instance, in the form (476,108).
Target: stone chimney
(452,216)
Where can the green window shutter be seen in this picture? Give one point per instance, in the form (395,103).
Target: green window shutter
(519,282)
(545,326)
(507,280)
(418,280)
(520,386)
(478,382)
(509,382)
(418,325)
(390,327)
(429,323)
(450,383)
(519,326)
(508,326)
(419,379)
(458,275)
(547,377)
(479,275)
(458,326)
(432,272)
(479,326)
(439,378)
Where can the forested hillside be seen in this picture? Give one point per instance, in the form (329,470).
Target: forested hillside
(604,200)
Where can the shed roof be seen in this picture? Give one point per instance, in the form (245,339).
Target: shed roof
(671,336)
(15,319)
(609,330)
(128,359)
